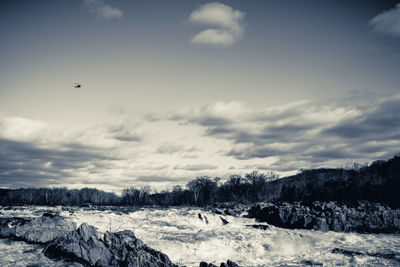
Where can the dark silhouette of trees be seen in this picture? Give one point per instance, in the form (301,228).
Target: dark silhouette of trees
(203,190)
(57,196)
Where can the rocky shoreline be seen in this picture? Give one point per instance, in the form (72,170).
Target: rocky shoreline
(362,217)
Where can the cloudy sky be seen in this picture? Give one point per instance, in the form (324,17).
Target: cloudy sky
(176,89)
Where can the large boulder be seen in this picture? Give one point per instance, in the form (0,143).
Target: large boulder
(115,249)
(39,230)
(82,245)
(127,250)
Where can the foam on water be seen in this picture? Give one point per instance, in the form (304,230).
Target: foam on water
(188,239)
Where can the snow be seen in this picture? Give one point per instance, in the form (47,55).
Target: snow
(188,240)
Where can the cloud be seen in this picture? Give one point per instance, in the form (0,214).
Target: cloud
(387,22)
(33,153)
(116,110)
(259,167)
(26,164)
(102,10)
(196,167)
(159,179)
(112,154)
(303,134)
(171,148)
(126,131)
(228,22)
(127,152)
(215,114)
(373,123)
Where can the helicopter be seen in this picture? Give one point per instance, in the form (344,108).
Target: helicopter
(77,85)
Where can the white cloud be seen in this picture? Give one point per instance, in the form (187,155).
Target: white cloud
(214,37)
(102,10)
(21,129)
(228,23)
(387,22)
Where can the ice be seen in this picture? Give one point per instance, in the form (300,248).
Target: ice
(188,239)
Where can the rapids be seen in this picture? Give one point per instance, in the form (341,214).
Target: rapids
(188,239)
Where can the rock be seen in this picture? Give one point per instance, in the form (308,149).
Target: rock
(8,225)
(205,264)
(44,229)
(115,249)
(127,250)
(217,211)
(229,208)
(202,217)
(82,245)
(85,231)
(48,214)
(258,226)
(311,263)
(39,230)
(346,252)
(224,221)
(366,217)
(227,264)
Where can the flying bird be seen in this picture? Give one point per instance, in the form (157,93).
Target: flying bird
(77,85)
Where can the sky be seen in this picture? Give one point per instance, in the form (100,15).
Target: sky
(173,90)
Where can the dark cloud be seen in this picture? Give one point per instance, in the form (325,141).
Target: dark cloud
(196,167)
(255,152)
(128,138)
(309,135)
(204,120)
(24,163)
(329,154)
(380,123)
(387,22)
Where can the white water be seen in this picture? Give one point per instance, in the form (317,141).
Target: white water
(188,240)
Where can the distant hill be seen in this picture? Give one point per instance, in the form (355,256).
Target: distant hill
(379,181)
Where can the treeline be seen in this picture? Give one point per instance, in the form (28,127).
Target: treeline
(201,191)
(57,196)
(380,181)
